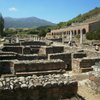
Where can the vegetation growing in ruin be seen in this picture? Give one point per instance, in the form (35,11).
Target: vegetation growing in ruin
(1,25)
(41,31)
(80,18)
(95,35)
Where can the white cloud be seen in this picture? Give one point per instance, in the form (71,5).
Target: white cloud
(12,9)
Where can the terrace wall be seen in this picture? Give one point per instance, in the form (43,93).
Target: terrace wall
(83,65)
(39,65)
(51,49)
(66,57)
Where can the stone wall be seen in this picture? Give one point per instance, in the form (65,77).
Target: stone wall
(22,57)
(17,49)
(83,65)
(29,43)
(66,57)
(31,49)
(48,87)
(46,50)
(58,49)
(56,39)
(79,55)
(7,57)
(27,67)
(51,49)
(7,53)
(31,57)
(21,49)
(35,49)
(94,26)
(37,65)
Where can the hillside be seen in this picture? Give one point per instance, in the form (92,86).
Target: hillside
(89,16)
(30,22)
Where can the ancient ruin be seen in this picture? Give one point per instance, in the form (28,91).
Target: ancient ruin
(52,67)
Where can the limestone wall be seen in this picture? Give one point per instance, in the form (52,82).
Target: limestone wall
(55,39)
(22,57)
(46,50)
(66,57)
(94,26)
(48,87)
(21,49)
(51,49)
(7,57)
(35,49)
(38,65)
(17,49)
(83,65)
(31,57)
(79,55)
(7,53)
(27,67)
(28,43)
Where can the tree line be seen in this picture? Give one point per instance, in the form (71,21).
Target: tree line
(1,25)
(42,31)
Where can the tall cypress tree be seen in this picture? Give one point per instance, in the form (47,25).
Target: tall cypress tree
(1,25)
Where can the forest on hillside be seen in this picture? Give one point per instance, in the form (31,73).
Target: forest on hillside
(43,30)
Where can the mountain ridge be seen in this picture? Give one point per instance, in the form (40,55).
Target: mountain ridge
(28,22)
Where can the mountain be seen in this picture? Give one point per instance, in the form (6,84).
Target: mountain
(94,14)
(30,22)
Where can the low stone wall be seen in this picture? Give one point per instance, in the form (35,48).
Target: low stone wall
(17,49)
(58,49)
(26,43)
(7,53)
(31,57)
(56,39)
(46,50)
(20,49)
(66,57)
(79,55)
(48,87)
(27,67)
(7,57)
(12,56)
(37,65)
(83,65)
(33,43)
(51,49)
(29,49)
(35,49)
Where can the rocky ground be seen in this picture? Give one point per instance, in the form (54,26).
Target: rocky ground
(87,93)
(84,91)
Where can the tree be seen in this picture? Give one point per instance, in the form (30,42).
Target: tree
(1,25)
(94,35)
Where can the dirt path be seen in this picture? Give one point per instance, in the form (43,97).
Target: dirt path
(87,93)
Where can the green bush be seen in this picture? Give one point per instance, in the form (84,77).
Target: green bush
(95,35)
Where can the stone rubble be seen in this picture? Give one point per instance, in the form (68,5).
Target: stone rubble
(31,82)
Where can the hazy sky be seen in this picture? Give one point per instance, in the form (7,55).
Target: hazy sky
(51,10)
